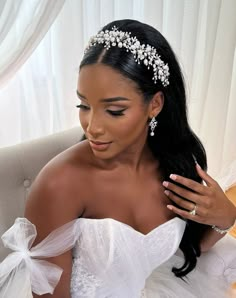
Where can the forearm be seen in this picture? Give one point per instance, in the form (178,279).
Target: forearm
(209,238)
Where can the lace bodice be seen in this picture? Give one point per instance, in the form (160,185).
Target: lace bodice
(111,259)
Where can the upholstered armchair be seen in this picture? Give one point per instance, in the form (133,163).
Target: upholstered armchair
(19,165)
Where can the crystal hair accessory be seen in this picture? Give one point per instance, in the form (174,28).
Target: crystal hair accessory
(142,52)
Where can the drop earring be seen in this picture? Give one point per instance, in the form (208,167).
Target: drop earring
(153,124)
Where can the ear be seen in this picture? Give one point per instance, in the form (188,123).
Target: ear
(156,104)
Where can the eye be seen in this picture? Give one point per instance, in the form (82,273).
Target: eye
(83,107)
(116,113)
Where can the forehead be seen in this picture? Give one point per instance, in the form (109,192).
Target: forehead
(104,81)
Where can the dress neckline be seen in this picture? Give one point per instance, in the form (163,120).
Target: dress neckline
(130,227)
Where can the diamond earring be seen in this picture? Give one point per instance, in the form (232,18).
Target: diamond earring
(153,125)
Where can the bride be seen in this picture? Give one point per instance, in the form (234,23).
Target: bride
(129,211)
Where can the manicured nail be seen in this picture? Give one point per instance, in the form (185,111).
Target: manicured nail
(165,183)
(198,166)
(173,177)
(167,192)
(169,207)
(195,160)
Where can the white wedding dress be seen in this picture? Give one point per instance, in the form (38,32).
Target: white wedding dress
(113,260)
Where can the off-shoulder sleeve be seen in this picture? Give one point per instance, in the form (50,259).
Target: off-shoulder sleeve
(24,271)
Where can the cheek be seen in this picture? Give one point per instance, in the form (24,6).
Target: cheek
(83,120)
(132,125)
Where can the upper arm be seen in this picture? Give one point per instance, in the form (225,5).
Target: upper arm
(52,202)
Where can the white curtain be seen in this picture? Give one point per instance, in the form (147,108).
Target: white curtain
(40,98)
(22,26)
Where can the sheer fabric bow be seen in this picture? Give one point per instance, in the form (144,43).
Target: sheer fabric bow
(23,271)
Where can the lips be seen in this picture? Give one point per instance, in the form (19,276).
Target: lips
(99,143)
(99,146)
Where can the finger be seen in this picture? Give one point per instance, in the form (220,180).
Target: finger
(189,195)
(191,184)
(179,201)
(184,213)
(206,177)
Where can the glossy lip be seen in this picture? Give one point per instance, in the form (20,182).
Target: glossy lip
(99,143)
(99,146)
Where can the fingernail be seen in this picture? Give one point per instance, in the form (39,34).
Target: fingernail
(165,183)
(173,177)
(195,160)
(198,166)
(169,207)
(166,192)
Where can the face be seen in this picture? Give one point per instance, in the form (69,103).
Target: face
(112,112)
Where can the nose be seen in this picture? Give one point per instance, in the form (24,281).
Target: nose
(95,127)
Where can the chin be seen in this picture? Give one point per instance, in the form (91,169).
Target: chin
(108,154)
(103,155)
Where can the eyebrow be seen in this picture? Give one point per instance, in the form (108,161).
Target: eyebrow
(112,99)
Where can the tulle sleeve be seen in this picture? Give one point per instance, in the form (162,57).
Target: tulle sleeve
(24,271)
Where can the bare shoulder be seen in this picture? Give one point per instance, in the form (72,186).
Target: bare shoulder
(56,198)
(58,191)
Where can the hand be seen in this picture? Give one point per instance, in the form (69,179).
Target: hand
(212,205)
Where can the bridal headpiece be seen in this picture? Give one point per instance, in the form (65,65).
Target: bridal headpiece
(142,52)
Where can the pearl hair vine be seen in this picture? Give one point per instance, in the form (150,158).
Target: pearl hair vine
(145,53)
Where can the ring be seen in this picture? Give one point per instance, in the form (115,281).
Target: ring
(194,211)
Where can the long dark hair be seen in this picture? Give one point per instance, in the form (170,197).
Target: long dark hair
(174,145)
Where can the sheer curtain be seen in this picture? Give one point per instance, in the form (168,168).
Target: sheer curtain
(23,24)
(40,98)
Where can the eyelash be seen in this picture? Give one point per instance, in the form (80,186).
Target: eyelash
(112,113)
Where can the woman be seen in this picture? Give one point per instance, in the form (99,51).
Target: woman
(123,200)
